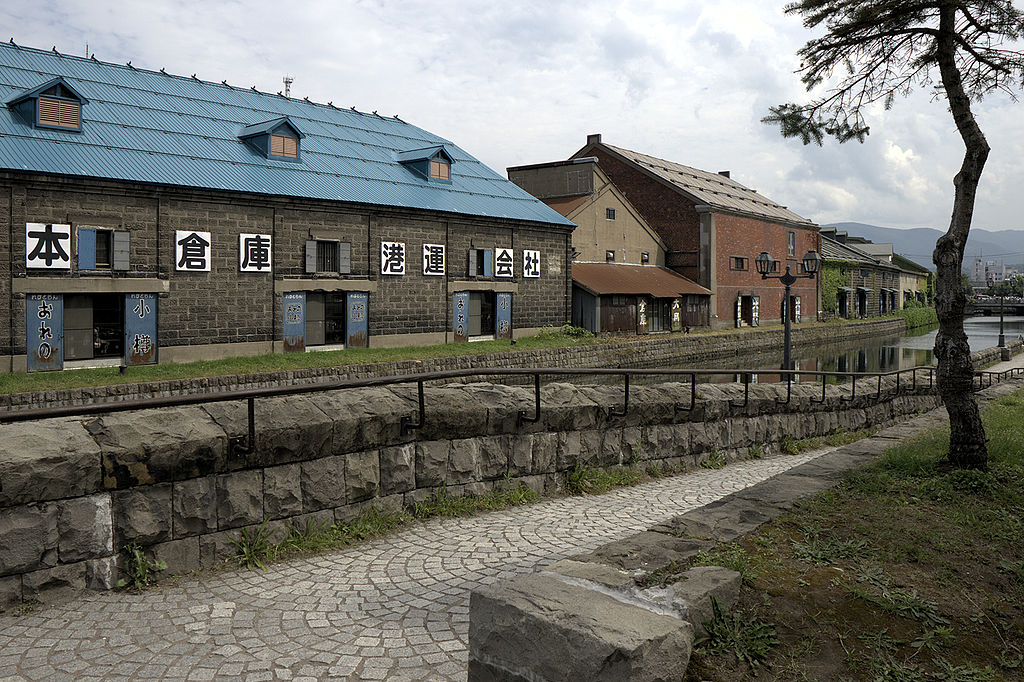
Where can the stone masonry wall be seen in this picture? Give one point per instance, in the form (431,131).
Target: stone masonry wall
(652,351)
(75,491)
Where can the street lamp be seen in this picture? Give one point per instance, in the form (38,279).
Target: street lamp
(1002,339)
(763,263)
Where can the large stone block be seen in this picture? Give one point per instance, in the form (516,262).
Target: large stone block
(565,407)
(569,451)
(142,515)
(288,429)
(46,460)
(397,469)
(432,463)
(28,538)
(10,592)
(156,446)
(323,483)
(85,528)
(54,584)
(181,556)
(493,456)
(365,418)
(501,404)
(282,491)
(101,574)
(462,466)
(544,452)
(239,499)
(195,507)
(691,595)
(540,627)
(362,475)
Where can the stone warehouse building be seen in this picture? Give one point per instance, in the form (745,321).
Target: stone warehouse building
(712,228)
(620,282)
(147,217)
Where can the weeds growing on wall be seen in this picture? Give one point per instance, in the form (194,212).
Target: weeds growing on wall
(138,568)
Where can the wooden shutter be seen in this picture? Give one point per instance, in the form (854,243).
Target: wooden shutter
(471,268)
(311,256)
(284,145)
(345,258)
(488,262)
(61,113)
(121,240)
(86,249)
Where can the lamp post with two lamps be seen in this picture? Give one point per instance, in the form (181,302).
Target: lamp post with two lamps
(811,263)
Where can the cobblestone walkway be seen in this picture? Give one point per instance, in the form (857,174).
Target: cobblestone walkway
(392,609)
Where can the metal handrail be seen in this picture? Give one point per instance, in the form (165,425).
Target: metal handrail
(246,443)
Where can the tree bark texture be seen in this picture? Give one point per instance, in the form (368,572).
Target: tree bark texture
(967,448)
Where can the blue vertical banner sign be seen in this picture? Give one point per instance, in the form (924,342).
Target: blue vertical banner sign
(503,318)
(357,335)
(140,342)
(44,332)
(460,316)
(295,322)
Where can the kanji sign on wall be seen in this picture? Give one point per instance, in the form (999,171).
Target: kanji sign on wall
(503,263)
(392,258)
(433,259)
(358,307)
(140,344)
(47,247)
(531,263)
(254,253)
(192,251)
(44,331)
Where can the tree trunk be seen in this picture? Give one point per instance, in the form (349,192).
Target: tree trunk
(967,449)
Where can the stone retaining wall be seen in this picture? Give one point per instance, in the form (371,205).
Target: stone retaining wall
(651,351)
(75,491)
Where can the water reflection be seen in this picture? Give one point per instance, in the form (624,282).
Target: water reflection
(879,354)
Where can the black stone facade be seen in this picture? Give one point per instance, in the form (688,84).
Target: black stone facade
(228,312)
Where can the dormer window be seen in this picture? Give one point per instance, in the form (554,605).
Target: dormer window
(279,139)
(430,163)
(54,105)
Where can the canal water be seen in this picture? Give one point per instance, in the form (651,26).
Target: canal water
(885,353)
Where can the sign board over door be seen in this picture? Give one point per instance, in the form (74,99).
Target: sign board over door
(503,317)
(295,322)
(44,332)
(140,342)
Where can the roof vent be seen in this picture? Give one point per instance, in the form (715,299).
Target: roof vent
(594,139)
(724,174)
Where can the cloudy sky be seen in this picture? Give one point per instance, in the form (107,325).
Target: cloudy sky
(524,82)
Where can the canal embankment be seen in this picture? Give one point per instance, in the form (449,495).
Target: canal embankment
(703,349)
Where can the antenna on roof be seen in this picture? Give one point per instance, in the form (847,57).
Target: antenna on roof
(287,80)
(87,49)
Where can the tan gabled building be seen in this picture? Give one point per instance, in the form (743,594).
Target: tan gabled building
(620,279)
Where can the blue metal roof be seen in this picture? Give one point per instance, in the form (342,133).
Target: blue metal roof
(153,127)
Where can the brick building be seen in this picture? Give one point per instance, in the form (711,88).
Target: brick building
(620,282)
(713,227)
(149,217)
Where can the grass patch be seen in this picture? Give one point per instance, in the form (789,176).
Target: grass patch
(739,633)
(793,446)
(905,571)
(255,550)
(584,480)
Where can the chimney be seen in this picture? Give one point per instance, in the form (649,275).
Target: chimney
(594,139)
(724,174)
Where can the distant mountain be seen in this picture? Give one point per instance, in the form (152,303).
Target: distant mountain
(1006,246)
